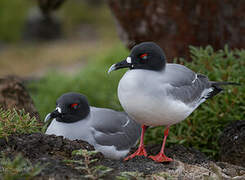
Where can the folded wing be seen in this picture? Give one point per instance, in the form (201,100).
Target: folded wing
(116,129)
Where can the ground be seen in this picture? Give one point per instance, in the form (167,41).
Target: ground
(34,61)
(51,150)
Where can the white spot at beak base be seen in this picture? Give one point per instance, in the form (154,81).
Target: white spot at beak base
(129,60)
(58,109)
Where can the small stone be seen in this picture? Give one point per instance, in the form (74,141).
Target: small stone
(242,172)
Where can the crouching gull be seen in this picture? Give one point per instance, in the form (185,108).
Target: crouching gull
(156,93)
(111,132)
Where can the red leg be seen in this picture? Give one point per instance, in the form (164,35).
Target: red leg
(141,149)
(161,157)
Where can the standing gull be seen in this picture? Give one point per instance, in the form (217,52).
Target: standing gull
(156,93)
(111,132)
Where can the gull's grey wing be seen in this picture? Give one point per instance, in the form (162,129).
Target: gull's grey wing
(192,94)
(115,128)
(187,86)
(178,75)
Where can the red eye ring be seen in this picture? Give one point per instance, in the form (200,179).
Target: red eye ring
(143,55)
(74,105)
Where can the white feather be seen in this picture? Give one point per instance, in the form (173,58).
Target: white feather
(129,60)
(148,104)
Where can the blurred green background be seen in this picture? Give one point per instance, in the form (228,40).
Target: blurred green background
(89,46)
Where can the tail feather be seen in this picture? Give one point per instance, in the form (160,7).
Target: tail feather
(213,83)
(217,89)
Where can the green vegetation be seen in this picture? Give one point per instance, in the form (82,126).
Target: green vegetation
(16,121)
(87,164)
(18,168)
(201,130)
(12,18)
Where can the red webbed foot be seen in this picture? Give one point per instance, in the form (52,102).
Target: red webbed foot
(140,152)
(161,158)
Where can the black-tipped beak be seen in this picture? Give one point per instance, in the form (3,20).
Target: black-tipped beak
(122,64)
(52,115)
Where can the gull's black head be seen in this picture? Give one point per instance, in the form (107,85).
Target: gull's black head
(70,107)
(146,55)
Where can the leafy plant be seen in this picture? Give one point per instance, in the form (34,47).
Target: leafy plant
(18,168)
(16,121)
(86,164)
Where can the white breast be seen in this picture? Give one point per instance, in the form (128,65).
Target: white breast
(144,98)
(77,130)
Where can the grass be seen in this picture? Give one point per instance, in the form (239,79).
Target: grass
(34,61)
(18,122)
(87,164)
(12,19)
(18,168)
(201,130)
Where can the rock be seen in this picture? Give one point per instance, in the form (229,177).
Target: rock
(232,143)
(188,163)
(13,94)
(176,24)
(231,170)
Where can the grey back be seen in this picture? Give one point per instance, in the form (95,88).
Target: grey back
(114,128)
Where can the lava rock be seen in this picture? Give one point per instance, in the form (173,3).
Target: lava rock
(232,143)
(13,94)
(176,24)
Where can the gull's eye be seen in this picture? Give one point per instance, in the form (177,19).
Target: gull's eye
(144,56)
(74,106)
